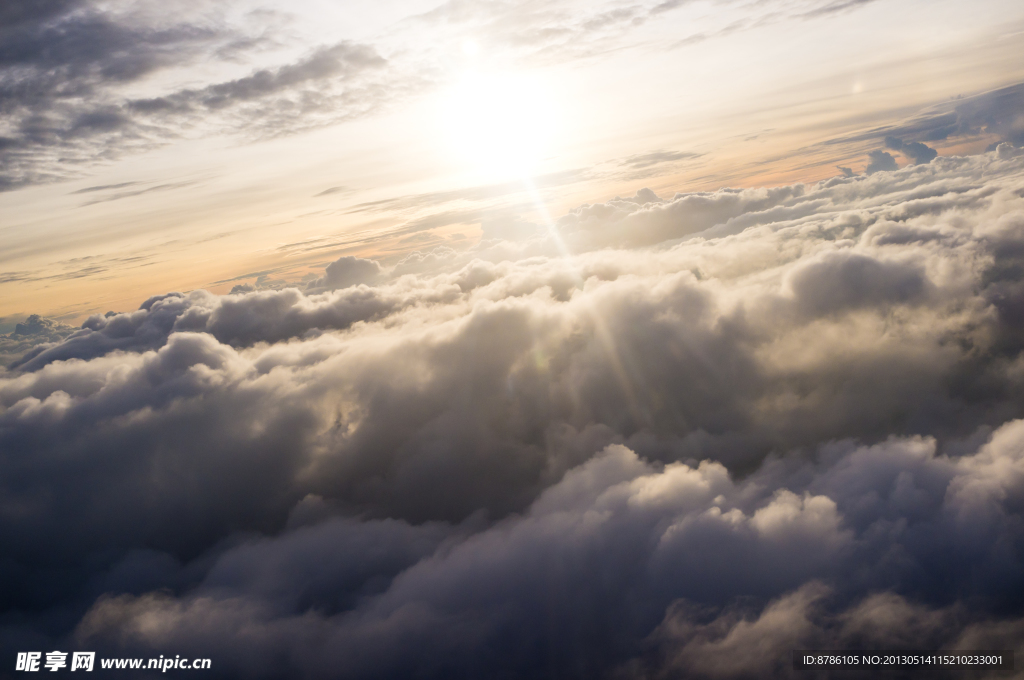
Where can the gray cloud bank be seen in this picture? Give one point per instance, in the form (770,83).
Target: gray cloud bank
(26,336)
(70,72)
(726,425)
(995,112)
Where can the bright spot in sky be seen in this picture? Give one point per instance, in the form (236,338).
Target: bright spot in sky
(499,124)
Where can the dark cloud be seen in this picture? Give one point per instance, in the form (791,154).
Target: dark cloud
(617,557)
(64,68)
(264,316)
(16,15)
(61,65)
(916,152)
(659,437)
(744,642)
(33,331)
(994,113)
(880,161)
(326,86)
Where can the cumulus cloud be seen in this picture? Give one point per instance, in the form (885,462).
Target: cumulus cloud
(35,330)
(618,556)
(658,436)
(345,272)
(880,161)
(743,642)
(916,152)
(994,112)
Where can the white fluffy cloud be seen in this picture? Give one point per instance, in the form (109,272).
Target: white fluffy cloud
(652,434)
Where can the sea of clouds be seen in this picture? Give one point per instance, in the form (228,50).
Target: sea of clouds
(655,438)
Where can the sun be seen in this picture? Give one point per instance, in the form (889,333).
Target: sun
(500,125)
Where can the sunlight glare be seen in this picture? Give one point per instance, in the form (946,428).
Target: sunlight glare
(500,125)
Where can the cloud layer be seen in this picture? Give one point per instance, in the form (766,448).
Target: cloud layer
(77,82)
(85,81)
(657,437)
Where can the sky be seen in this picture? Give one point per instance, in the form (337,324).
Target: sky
(624,340)
(155,146)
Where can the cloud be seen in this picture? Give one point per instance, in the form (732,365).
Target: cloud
(333,190)
(345,272)
(658,436)
(70,70)
(670,545)
(136,192)
(835,6)
(326,86)
(646,160)
(842,281)
(539,33)
(738,642)
(61,69)
(84,82)
(104,187)
(1006,151)
(916,152)
(993,113)
(264,316)
(640,166)
(880,161)
(35,330)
